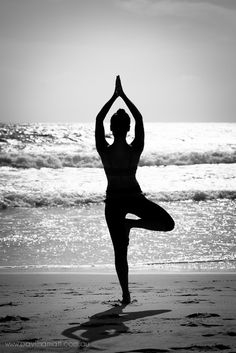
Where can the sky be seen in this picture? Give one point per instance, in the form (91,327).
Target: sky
(59,59)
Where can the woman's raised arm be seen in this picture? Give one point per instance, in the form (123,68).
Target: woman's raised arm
(101,142)
(138,141)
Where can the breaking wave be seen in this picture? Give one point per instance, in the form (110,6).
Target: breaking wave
(92,160)
(73,199)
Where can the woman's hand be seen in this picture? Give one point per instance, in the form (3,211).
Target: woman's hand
(119,90)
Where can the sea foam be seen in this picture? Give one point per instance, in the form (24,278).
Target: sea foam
(92,160)
(80,186)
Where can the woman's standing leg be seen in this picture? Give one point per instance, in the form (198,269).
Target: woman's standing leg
(115,219)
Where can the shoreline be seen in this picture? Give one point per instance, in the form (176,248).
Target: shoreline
(113,273)
(198,267)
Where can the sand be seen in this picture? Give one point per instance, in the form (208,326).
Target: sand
(69,312)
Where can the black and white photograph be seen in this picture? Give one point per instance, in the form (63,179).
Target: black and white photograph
(117,176)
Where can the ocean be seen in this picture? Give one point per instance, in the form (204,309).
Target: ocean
(52,190)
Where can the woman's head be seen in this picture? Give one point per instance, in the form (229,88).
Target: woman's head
(120,122)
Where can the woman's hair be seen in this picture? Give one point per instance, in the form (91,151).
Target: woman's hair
(120,121)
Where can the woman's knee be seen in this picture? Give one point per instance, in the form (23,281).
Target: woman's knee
(169,224)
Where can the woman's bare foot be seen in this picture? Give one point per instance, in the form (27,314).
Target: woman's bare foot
(126,298)
(128,226)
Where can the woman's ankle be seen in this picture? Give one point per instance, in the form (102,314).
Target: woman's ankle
(126,298)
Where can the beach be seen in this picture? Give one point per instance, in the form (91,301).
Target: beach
(70,312)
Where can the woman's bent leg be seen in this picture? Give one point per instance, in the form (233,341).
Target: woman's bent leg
(116,225)
(152,216)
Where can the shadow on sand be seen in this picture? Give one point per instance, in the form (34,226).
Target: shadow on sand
(106,324)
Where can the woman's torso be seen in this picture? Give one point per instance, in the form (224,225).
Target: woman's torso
(120,163)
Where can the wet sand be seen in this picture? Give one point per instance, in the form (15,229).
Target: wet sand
(51,312)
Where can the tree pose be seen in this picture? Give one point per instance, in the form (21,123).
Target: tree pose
(123,194)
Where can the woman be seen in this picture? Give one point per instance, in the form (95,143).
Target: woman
(124,195)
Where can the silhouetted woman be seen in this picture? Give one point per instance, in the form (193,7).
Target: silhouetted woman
(123,194)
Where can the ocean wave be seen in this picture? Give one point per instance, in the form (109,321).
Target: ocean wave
(92,159)
(187,158)
(71,200)
(55,161)
(73,145)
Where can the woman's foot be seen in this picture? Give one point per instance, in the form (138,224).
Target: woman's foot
(128,226)
(126,298)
